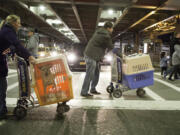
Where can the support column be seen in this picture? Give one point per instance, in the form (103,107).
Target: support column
(136,42)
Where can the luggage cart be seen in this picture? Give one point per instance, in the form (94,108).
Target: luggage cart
(52,83)
(133,72)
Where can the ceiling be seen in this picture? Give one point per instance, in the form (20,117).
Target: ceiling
(79,18)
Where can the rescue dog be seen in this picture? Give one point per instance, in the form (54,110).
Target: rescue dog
(47,77)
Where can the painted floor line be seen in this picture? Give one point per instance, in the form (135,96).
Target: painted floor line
(168,84)
(158,73)
(126,104)
(10,76)
(10,87)
(153,95)
(12,70)
(2,122)
(114,104)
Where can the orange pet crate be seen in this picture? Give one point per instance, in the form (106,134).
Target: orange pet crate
(52,80)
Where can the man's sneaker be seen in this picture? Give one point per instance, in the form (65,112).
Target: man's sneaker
(95,92)
(170,79)
(86,95)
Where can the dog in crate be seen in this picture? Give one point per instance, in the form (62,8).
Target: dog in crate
(48,77)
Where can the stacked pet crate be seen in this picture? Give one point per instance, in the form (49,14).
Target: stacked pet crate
(137,71)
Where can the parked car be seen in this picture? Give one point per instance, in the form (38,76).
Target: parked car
(76,61)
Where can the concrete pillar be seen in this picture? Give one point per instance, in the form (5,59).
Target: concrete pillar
(136,42)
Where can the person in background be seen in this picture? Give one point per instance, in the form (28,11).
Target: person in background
(163,63)
(94,52)
(33,42)
(175,61)
(174,70)
(8,38)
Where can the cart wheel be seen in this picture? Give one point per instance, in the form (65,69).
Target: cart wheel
(66,108)
(110,89)
(140,92)
(20,112)
(60,109)
(22,102)
(117,93)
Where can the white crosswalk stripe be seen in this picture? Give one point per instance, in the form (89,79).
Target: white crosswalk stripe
(115,104)
(12,70)
(167,84)
(12,86)
(103,101)
(153,95)
(10,76)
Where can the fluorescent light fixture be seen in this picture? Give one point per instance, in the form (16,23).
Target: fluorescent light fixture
(33,9)
(50,21)
(101,24)
(110,11)
(153,12)
(57,21)
(64,29)
(42,8)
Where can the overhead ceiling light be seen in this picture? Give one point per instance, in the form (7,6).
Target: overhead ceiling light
(32,9)
(64,29)
(153,12)
(50,21)
(57,21)
(110,11)
(42,8)
(101,24)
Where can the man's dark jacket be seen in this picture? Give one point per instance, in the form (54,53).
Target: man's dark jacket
(8,38)
(100,41)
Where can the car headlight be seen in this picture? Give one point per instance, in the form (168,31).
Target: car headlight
(109,58)
(54,53)
(71,57)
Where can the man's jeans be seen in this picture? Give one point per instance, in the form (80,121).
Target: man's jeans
(174,71)
(3,89)
(92,75)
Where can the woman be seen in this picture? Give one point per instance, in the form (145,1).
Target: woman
(8,38)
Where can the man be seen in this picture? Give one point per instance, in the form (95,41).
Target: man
(33,42)
(94,52)
(175,55)
(176,58)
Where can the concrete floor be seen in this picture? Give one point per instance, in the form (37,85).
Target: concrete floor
(155,114)
(43,121)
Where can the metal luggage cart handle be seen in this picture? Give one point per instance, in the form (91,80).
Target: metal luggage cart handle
(20,58)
